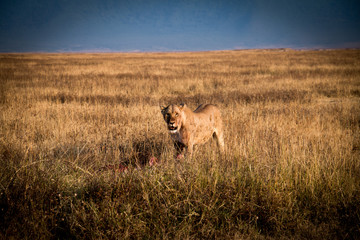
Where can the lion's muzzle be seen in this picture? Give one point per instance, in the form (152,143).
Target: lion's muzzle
(172,127)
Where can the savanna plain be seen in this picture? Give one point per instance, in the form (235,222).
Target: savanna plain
(77,132)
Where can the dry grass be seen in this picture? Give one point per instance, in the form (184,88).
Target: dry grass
(291,168)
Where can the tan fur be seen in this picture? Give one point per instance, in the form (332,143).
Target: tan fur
(188,128)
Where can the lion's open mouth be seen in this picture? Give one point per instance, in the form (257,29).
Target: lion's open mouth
(172,128)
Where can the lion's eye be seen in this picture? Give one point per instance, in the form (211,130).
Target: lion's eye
(176,114)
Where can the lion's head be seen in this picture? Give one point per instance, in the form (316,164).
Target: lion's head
(173,116)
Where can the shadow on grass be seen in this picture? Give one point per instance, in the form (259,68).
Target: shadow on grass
(136,154)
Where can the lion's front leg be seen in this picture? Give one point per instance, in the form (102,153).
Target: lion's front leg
(180,149)
(190,149)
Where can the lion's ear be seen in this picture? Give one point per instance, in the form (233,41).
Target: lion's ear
(182,105)
(162,108)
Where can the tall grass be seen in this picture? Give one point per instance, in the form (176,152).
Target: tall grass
(70,123)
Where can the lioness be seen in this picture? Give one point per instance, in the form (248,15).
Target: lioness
(188,128)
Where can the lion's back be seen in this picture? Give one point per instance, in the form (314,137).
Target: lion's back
(206,121)
(208,114)
(208,110)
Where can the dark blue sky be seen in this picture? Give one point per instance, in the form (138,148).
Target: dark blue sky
(180,25)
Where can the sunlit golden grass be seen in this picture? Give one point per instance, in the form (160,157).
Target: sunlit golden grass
(71,122)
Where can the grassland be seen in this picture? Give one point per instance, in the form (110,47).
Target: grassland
(292,162)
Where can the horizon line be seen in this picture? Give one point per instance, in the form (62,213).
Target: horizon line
(93,51)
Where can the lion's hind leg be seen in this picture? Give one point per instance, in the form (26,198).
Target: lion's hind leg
(219,137)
